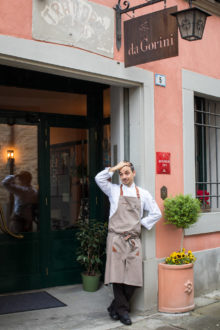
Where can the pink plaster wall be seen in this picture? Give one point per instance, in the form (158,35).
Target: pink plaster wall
(202,242)
(200,56)
(16,18)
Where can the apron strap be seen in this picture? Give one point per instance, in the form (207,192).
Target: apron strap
(121,190)
(137,191)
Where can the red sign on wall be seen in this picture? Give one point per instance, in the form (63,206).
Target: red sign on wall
(163,162)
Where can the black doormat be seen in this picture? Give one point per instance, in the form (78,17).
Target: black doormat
(24,302)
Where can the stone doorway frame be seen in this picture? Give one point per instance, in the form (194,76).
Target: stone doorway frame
(79,64)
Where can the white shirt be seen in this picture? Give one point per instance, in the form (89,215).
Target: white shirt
(113,193)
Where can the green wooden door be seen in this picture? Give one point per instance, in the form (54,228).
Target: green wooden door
(20,223)
(70,193)
(68,200)
(61,154)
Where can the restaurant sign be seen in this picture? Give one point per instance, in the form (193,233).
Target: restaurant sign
(150,37)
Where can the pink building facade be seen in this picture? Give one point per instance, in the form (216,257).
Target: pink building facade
(145,118)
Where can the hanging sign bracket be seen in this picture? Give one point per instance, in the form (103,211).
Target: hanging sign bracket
(119,11)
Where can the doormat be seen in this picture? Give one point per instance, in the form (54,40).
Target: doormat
(24,302)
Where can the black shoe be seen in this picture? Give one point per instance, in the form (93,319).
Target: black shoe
(113,314)
(125,319)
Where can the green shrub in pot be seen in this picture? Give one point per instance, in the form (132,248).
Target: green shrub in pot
(92,240)
(181,211)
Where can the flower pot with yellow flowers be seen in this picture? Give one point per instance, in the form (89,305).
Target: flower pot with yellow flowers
(175,275)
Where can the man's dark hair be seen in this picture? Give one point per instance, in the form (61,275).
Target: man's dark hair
(25,177)
(130,165)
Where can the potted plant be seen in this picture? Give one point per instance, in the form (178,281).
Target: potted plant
(91,236)
(203,196)
(175,276)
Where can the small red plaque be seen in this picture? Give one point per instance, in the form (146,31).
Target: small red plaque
(163,162)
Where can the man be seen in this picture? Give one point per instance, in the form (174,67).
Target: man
(124,260)
(25,199)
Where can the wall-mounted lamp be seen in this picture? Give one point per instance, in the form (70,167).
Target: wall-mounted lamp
(10,154)
(11,160)
(191,22)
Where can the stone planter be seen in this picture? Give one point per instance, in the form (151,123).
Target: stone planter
(175,288)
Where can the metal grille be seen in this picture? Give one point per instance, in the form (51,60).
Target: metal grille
(207,153)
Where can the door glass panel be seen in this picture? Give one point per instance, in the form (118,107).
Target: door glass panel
(68,177)
(19,178)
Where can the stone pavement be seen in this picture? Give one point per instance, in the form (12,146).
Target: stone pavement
(206,316)
(87,310)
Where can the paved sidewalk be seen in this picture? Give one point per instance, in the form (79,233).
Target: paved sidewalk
(206,316)
(87,310)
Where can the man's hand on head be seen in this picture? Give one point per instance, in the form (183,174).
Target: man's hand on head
(119,166)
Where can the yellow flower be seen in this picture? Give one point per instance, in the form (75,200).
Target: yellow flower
(180,258)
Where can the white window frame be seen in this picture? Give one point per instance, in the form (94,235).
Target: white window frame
(196,84)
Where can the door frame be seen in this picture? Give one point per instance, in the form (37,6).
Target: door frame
(79,64)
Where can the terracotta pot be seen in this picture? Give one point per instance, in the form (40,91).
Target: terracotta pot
(175,288)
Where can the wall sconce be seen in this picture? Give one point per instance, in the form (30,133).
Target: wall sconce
(10,154)
(191,22)
(11,160)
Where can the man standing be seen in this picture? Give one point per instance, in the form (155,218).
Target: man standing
(25,200)
(124,257)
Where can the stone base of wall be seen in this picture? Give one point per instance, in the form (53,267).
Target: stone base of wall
(207,271)
(146,298)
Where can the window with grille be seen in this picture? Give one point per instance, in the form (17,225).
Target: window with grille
(207,153)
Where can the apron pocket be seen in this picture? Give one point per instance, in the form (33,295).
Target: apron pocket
(117,246)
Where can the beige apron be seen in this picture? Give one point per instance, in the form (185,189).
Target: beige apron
(124,257)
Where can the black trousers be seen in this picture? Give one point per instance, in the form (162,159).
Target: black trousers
(122,296)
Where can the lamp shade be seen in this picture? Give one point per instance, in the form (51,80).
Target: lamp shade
(10,154)
(191,23)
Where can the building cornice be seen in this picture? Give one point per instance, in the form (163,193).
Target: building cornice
(211,6)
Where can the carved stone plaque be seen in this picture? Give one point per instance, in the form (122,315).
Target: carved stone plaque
(80,23)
